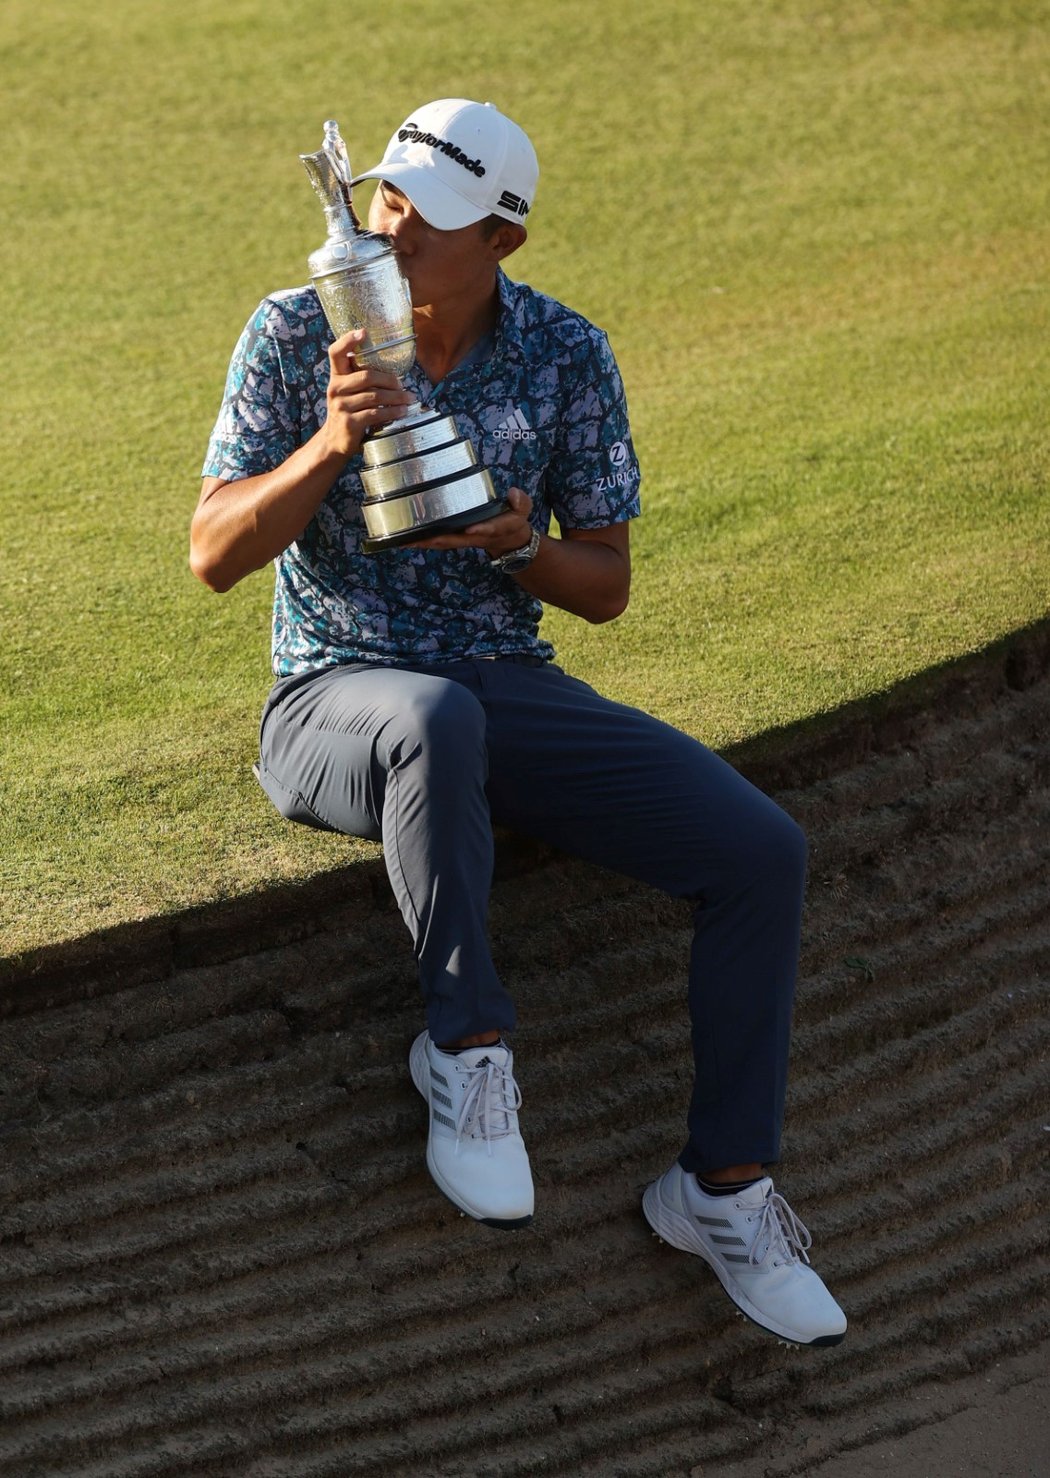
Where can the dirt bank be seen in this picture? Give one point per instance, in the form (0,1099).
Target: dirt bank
(220,1253)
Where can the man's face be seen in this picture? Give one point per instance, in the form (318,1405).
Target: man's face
(439,265)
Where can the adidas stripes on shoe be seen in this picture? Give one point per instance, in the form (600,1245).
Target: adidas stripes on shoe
(758,1249)
(475,1152)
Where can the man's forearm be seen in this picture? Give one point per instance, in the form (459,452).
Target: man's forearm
(240,526)
(585,575)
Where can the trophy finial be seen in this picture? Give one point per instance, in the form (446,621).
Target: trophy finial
(329,171)
(334,147)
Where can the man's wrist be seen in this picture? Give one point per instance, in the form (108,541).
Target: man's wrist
(517,559)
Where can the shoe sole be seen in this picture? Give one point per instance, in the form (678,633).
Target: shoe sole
(418,1066)
(676,1230)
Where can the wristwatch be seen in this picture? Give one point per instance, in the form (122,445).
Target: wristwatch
(516,559)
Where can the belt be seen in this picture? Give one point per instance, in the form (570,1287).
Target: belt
(524,659)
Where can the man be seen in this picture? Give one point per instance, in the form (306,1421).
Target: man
(415,701)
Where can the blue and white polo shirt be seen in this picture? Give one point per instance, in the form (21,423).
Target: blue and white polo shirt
(546,412)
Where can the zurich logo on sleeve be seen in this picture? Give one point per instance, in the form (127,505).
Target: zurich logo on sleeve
(623,473)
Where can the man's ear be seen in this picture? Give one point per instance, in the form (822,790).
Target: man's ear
(506,238)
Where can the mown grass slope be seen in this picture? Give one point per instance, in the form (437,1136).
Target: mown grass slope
(816,234)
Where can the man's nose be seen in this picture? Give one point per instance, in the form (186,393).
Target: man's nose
(402,227)
(399,230)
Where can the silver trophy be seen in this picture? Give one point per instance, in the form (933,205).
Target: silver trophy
(420,476)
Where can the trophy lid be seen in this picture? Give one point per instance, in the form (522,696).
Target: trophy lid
(329,171)
(330,174)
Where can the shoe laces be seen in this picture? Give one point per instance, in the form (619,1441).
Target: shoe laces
(491,1098)
(780,1233)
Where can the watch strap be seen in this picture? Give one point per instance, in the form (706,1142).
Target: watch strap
(517,559)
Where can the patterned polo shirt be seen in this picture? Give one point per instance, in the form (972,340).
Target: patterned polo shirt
(546,412)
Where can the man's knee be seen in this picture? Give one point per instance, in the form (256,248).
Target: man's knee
(791,845)
(766,849)
(777,848)
(441,723)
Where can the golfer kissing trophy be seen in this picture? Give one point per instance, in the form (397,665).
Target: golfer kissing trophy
(420,476)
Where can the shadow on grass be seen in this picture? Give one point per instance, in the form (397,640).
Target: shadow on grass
(790,757)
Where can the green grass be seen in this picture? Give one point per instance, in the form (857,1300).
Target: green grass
(816,233)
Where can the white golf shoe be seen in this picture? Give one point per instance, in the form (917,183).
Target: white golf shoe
(474,1150)
(757,1247)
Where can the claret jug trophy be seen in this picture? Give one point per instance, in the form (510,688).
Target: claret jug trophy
(420,476)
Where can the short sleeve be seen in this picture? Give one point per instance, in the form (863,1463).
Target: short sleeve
(259,422)
(593,477)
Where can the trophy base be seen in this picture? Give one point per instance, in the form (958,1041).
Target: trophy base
(448,525)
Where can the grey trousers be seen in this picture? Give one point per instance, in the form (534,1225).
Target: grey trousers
(426,759)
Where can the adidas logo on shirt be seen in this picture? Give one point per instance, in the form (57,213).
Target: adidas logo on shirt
(514,428)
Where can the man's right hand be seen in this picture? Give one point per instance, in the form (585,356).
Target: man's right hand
(359,397)
(240,526)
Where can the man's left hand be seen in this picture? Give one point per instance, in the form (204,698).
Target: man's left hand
(499,535)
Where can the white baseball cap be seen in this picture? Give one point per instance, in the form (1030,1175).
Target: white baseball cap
(458,162)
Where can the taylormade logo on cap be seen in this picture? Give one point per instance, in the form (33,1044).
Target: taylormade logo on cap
(416,134)
(459,161)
